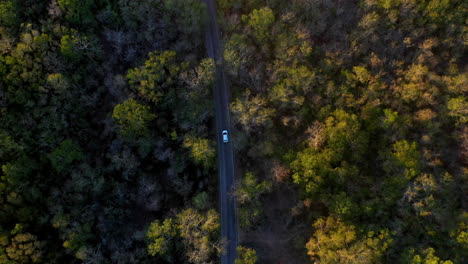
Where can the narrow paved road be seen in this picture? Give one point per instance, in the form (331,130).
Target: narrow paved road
(225,154)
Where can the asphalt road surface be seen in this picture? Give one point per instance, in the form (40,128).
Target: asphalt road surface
(225,154)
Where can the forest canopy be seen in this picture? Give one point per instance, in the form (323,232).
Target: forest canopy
(354,112)
(349,126)
(106,113)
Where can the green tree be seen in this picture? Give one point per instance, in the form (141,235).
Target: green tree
(293,85)
(24,66)
(335,161)
(8,13)
(201,201)
(161,238)
(4,241)
(157,76)
(58,83)
(401,165)
(417,89)
(8,147)
(188,15)
(458,108)
(25,248)
(337,242)
(201,150)
(246,256)
(236,53)
(199,233)
(206,72)
(65,154)
(194,105)
(342,205)
(77,239)
(17,172)
(250,188)
(460,235)
(68,48)
(252,112)
(390,118)
(133,118)
(248,192)
(260,21)
(17,188)
(427,256)
(405,156)
(78,11)
(362,74)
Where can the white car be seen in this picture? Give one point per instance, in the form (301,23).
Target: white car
(225,136)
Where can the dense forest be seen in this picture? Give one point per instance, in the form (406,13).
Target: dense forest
(350,131)
(105,133)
